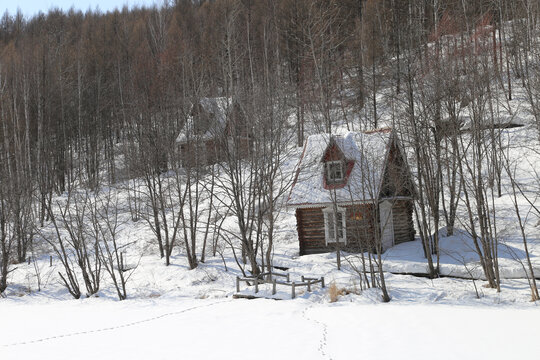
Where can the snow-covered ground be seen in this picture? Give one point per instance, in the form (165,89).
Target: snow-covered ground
(174,312)
(305,328)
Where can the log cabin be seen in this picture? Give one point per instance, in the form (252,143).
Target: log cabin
(353,192)
(214,129)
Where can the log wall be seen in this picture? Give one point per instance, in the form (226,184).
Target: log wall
(214,151)
(311,233)
(403,221)
(361,223)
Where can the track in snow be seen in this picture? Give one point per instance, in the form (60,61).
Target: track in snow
(323,341)
(134,323)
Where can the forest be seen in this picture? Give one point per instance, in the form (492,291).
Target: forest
(91,106)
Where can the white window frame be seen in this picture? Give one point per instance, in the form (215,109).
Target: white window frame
(330,176)
(331,231)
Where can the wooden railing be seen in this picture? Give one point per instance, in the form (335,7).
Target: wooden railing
(271,278)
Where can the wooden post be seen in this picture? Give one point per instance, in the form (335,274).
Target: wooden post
(274,286)
(29,260)
(288,277)
(237,284)
(293,290)
(50,260)
(322,281)
(256,285)
(303,278)
(309,285)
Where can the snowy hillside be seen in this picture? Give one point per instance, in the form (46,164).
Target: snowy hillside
(171,308)
(162,170)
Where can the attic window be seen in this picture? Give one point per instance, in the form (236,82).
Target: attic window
(334,172)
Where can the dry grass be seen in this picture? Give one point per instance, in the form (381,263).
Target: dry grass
(334,292)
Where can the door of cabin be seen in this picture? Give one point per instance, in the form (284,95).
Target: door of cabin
(387,224)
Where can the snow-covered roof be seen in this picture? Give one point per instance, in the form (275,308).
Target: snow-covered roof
(196,127)
(466,123)
(368,151)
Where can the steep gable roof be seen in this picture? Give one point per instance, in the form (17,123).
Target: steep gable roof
(333,151)
(207,119)
(368,151)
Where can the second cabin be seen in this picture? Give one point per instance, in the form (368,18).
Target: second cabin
(352,192)
(215,130)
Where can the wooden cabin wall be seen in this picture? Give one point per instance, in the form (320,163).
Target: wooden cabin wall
(397,179)
(361,220)
(213,153)
(361,226)
(310,226)
(311,232)
(403,221)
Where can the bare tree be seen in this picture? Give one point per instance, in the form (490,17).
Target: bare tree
(74,243)
(517,189)
(6,243)
(105,226)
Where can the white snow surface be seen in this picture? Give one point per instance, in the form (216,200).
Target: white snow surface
(265,329)
(368,151)
(174,312)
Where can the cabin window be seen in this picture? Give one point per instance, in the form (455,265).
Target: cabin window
(334,172)
(335,225)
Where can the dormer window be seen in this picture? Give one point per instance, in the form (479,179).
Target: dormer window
(334,172)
